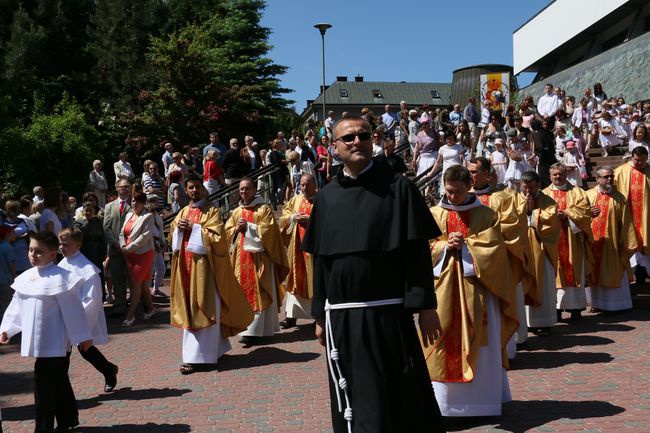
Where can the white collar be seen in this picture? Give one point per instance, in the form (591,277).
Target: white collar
(255,202)
(471,203)
(564,187)
(486,190)
(198,204)
(346,174)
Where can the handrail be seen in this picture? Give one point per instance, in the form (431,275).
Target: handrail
(226,192)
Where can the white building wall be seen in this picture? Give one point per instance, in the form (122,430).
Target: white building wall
(548,30)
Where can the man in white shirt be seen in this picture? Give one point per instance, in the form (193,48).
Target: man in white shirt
(548,105)
(123,169)
(167,159)
(389,119)
(329,125)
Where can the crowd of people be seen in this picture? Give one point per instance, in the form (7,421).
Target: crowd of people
(355,248)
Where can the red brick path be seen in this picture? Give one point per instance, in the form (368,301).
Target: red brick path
(592,376)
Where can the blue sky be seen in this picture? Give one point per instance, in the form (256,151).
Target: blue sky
(407,40)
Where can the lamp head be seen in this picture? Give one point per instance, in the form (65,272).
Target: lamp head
(322,27)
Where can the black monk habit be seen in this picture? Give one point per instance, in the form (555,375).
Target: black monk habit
(369,238)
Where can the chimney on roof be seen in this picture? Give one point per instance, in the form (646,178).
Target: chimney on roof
(342,78)
(358,79)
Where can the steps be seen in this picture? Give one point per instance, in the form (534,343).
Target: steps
(594,159)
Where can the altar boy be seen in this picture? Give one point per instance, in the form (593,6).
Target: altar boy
(47,310)
(70,240)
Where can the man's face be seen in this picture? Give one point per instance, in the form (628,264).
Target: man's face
(246,191)
(170,148)
(558,177)
(308,186)
(213,138)
(548,90)
(194,190)
(123,189)
(68,246)
(478,175)
(39,254)
(456,192)
(557,91)
(387,108)
(456,107)
(280,135)
(353,143)
(529,188)
(639,161)
(605,179)
(152,169)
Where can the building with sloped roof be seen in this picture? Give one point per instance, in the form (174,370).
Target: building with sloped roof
(352,96)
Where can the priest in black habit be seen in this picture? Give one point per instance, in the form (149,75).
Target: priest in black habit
(368,233)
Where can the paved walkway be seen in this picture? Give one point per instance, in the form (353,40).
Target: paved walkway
(590,376)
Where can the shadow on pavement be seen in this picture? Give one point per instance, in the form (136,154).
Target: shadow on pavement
(263,356)
(523,416)
(17,383)
(563,342)
(20,413)
(548,360)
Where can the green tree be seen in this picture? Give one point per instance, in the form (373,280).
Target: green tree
(56,148)
(213,75)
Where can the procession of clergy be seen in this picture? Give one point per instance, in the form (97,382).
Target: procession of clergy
(507,263)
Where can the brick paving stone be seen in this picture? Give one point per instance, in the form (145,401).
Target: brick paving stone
(588,376)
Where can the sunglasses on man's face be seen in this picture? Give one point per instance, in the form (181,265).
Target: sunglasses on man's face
(349,138)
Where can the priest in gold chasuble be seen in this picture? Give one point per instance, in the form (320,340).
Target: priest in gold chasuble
(206,300)
(514,230)
(475,304)
(575,261)
(633,181)
(299,284)
(259,260)
(615,242)
(543,236)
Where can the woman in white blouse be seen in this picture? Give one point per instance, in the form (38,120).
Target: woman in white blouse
(49,220)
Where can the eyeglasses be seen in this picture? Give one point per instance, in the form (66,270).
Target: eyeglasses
(609,176)
(349,138)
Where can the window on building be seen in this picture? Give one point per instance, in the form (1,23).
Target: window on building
(343,93)
(435,94)
(377,94)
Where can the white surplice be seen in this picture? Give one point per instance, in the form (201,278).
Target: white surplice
(206,345)
(265,323)
(485,395)
(572,298)
(90,294)
(47,310)
(609,298)
(544,315)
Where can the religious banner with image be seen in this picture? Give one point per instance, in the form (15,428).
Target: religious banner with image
(496,88)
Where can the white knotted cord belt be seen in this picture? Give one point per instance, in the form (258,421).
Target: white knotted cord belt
(333,353)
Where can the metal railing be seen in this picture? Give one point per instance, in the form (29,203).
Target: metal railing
(226,199)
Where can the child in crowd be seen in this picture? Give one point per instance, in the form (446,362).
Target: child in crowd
(499,160)
(47,310)
(90,293)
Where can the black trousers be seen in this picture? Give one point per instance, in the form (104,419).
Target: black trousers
(97,360)
(53,395)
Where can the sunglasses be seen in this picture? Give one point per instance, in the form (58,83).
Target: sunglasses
(609,176)
(349,138)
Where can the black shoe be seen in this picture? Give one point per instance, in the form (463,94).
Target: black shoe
(575,315)
(288,322)
(111,380)
(248,340)
(67,427)
(559,315)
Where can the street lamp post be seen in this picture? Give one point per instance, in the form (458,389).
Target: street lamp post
(322,27)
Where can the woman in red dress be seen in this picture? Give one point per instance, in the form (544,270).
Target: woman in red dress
(136,242)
